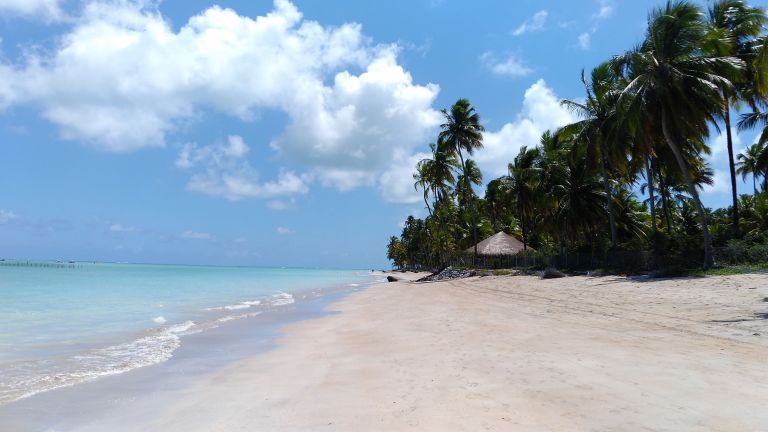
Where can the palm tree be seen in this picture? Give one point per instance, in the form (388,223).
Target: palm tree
(674,82)
(750,163)
(597,113)
(579,198)
(435,175)
(523,176)
(422,180)
(738,25)
(631,219)
(462,131)
(757,118)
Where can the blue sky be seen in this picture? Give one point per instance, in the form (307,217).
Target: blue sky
(260,133)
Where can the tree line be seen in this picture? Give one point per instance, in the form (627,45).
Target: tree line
(628,174)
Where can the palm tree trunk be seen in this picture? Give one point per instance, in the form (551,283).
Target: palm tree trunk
(651,196)
(426,202)
(525,230)
(468,202)
(663,190)
(608,195)
(672,142)
(754,184)
(732,167)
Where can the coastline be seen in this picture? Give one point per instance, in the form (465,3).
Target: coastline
(494,353)
(141,391)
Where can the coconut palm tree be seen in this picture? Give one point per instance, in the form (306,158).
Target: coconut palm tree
(750,163)
(463,132)
(435,175)
(523,178)
(631,218)
(422,180)
(597,114)
(734,26)
(580,201)
(675,83)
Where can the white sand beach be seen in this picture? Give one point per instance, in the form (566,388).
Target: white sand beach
(506,354)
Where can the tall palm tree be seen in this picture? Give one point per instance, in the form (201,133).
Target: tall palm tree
(734,26)
(463,132)
(750,163)
(677,84)
(597,114)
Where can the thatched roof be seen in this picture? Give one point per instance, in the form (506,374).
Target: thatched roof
(499,244)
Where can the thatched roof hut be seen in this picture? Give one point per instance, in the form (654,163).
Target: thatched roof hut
(500,244)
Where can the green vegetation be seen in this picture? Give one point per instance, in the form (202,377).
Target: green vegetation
(627,176)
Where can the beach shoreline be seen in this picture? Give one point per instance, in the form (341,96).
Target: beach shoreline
(499,353)
(143,391)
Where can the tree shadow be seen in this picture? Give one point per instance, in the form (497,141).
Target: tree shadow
(757,317)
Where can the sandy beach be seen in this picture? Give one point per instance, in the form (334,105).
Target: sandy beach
(506,354)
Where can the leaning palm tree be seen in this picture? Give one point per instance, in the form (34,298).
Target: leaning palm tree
(463,132)
(750,163)
(679,86)
(734,27)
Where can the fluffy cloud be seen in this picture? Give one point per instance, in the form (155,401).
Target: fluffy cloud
(535,23)
(223,170)
(396,184)
(49,10)
(541,111)
(508,66)
(354,129)
(122,79)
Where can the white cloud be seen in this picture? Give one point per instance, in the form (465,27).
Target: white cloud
(194,235)
(606,9)
(541,112)
(222,170)
(7,216)
(721,182)
(535,23)
(585,40)
(356,130)
(49,10)
(122,79)
(510,65)
(284,231)
(719,146)
(396,184)
(718,160)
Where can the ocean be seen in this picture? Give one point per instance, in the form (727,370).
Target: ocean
(66,323)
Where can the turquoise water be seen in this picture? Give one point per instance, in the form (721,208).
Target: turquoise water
(64,324)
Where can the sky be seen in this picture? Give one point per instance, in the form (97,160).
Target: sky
(260,133)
